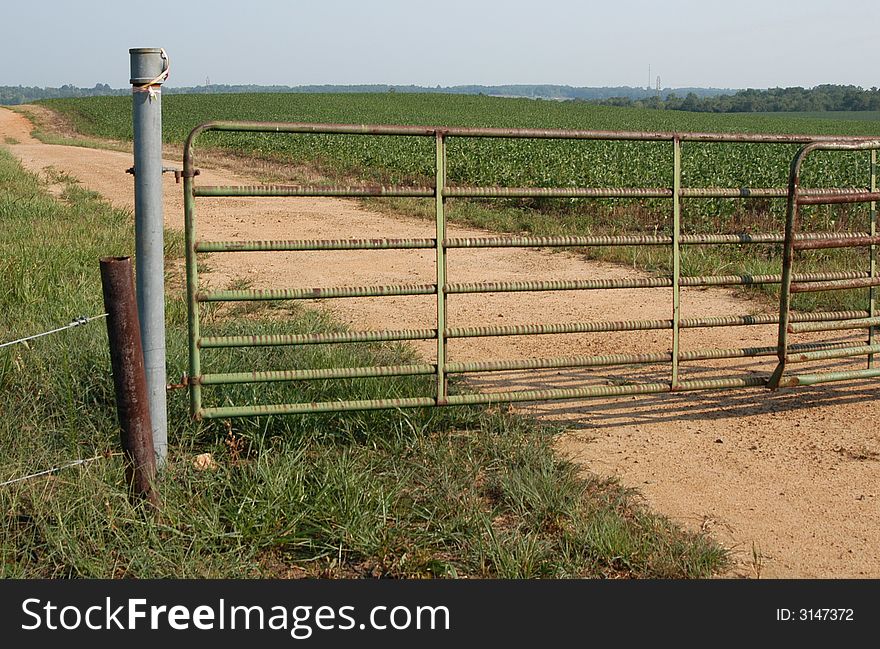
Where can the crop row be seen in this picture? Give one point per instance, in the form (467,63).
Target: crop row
(475,161)
(520,162)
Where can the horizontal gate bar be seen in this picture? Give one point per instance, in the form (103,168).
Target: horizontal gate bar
(315,293)
(751,352)
(635,192)
(840,241)
(653,282)
(207,342)
(558,285)
(636,240)
(758,192)
(765,318)
(218,191)
(747,280)
(838,285)
(807,197)
(473,399)
(811,279)
(859,238)
(557,362)
(623,359)
(826,354)
(831,350)
(557,192)
(858,197)
(562,241)
(827,377)
(306,375)
(602,391)
(560,134)
(643,325)
(567,328)
(321,406)
(313,244)
(267,340)
(834,325)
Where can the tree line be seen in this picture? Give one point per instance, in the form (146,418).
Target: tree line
(24,94)
(822,98)
(819,99)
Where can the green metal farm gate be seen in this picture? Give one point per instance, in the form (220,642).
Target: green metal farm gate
(792,280)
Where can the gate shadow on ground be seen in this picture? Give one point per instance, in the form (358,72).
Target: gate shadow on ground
(705,405)
(697,405)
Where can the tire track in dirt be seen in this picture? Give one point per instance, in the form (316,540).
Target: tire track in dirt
(787,480)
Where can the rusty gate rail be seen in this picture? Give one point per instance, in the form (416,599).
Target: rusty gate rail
(791,283)
(441,288)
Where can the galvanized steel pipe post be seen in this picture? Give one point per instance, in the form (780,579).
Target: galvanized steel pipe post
(149,68)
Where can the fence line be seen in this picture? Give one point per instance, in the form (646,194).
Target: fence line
(76,322)
(59,468)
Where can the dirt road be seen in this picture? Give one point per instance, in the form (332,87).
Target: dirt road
(787,480)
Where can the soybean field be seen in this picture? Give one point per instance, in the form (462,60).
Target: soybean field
(544,163)
(489,161)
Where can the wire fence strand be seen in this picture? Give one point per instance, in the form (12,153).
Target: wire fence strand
(59,468)
(76,322)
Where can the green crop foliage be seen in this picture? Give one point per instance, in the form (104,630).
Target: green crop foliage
(544,163)
(493,162)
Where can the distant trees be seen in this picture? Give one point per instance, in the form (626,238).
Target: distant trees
(12,95)
(702,100)
(819,99)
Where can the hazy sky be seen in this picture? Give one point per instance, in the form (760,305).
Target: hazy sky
(728,44)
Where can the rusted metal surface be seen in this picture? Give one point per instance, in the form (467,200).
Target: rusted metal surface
(314,190)
(836,285)
(790,284)
(858,197)
(314,244)
(836,242)
(129,378)
(557,192)
(535,134)
(819,196)
(872,264)
(758,192)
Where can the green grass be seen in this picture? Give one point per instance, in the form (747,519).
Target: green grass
(445,492)
(550,163)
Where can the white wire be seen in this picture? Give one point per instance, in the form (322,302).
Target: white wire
(54,469)
(76,322)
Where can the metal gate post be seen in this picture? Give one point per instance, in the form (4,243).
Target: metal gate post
(791,211)
(872,296)
(676,257)
(440,187)
(149,68)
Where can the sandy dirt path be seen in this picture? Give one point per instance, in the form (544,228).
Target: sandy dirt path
(788,481)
